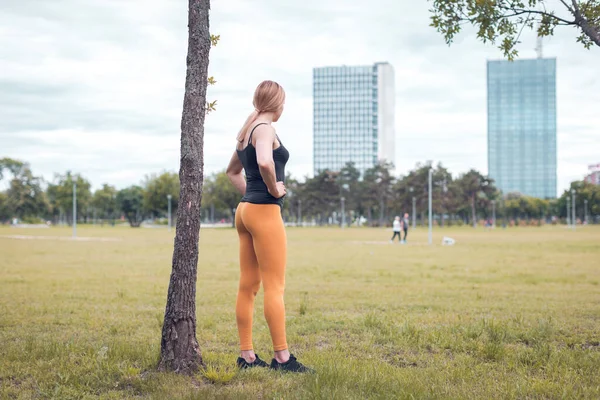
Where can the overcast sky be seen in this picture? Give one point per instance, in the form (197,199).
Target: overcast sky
(96,86)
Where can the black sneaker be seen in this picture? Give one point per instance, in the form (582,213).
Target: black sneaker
(291,365)
(243,364)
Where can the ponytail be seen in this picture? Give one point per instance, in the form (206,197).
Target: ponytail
(249,121)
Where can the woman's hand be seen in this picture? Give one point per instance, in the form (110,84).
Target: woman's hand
(279,190)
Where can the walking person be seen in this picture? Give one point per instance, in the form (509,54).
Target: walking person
(258,220)
(396,227)
(405,223)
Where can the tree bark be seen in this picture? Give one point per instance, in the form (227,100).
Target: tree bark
(179,350)
(593,32)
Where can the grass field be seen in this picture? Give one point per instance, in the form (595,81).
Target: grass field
(502,314)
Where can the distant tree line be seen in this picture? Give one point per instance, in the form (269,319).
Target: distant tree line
(467,198)
(375,198)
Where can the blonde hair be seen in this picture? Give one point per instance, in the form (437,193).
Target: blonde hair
(269,96)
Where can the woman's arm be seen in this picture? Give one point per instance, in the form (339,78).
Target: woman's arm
(265,137)
(234,172)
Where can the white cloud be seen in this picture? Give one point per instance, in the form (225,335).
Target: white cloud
(97,86)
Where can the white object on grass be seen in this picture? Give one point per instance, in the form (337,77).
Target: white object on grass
(448,241)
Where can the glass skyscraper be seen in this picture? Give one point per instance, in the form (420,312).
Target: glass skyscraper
(353,111)
(522,126)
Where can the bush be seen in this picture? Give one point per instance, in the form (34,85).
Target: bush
(32,220)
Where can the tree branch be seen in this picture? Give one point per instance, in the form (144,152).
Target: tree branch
(520,11)
(568,6)
(522,27)
(576,6)
(547,15)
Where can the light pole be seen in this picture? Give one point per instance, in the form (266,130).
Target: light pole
(300,212)
(414,208)
(381,202)
(169,197)
(568,211)
(493,213)
(585,219)
(343,212)
(343,189)
(114,208)
(430,211)
(444,191)
(574,219)
(74,209)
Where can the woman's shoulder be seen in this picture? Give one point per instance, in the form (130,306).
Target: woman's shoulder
(263,128)
(264,131)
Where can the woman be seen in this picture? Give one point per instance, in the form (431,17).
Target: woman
(260,227)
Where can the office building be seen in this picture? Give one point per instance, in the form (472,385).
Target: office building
(522,126)
(353,116)
(594,175)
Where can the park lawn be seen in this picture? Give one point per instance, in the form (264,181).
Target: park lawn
(509,313)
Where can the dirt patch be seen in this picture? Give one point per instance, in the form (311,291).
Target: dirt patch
(594,345)
(403,359)
(322,345)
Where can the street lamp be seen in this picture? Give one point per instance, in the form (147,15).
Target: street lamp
(114,208)
(574,220)
(430,210)
(343,212)
(568,211)
(344,188)
(74,209)
(414,208)
(381,202)
(444,191)
(169,197)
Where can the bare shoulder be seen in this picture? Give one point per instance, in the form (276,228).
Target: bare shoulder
(264,132)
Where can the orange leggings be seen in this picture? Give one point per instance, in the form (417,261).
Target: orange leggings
(262,258)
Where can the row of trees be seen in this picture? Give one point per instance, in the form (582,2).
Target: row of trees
(376,198)
(30,199)
(466,198)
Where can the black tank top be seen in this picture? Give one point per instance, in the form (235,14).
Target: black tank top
(256,189)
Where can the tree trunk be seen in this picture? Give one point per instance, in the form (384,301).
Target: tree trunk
(179,349)
(593,32)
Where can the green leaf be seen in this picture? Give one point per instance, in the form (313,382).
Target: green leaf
(211,106)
